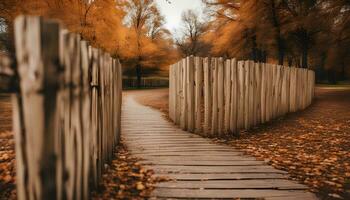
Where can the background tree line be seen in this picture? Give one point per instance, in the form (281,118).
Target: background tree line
(303,33)
(131,30)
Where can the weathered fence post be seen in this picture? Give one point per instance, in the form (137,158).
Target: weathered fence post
(178,92)
(234,97)
(214,73)
(207,95)
(246,94)
(251,94)
(228,90)
(37,56)
(241,95)
(257,99)
(220,92)
(190,94)
(263,93)
(172,92)
(198,94)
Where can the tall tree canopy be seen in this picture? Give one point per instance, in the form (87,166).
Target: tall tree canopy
(309,33)
(131,30)
(189,42)
(151,43)
(292,32)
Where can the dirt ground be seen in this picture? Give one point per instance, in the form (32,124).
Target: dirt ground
(312,145)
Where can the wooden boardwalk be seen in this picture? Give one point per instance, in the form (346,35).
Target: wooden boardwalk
(199,168)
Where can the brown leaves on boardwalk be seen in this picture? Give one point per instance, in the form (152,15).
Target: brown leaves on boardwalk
(313,146)
(125,178)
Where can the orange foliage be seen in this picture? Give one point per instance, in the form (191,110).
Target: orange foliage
(101,22)
(309,34)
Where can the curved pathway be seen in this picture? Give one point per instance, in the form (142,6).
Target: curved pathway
(198,167)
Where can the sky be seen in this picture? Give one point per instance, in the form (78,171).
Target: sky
(173,11)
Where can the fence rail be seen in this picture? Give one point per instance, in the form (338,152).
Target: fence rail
(213,96)
(67,113)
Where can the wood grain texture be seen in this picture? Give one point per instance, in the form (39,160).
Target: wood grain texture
(238,95)
(67,114)
(198,94)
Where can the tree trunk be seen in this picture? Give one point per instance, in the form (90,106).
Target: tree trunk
(332,77)
(304,58)
(254,49)
(138,75)
(280,51)
(343,72)
(290,62)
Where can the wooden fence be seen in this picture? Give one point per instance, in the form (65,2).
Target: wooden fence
(220,97)
(67,113)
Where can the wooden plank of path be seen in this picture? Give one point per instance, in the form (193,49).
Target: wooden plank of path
(197,167)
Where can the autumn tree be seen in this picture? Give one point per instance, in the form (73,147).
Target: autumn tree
(268,18)
(232,33)
(149,43)
(281,30)
(337,56)
(98,21)
(193,28)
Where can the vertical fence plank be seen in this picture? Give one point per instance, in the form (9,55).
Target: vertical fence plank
(178,91)
(37,55)
(190,94)
(171,92)
(310,73)
(198,94)
(19,136)
(254,93)
(257,94)
(274,92)
(263,93)
(227,95)
(207,95)
(274,105)
(95,114)
(283,91)
(269,96)
(298,89)
(288,82)
(214,70)
(220,92)
(305,73)
(251,107)
(291,89)
(75,158)
(241,95)
(246,91)
(234,97)
(279,90)
(183,122)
